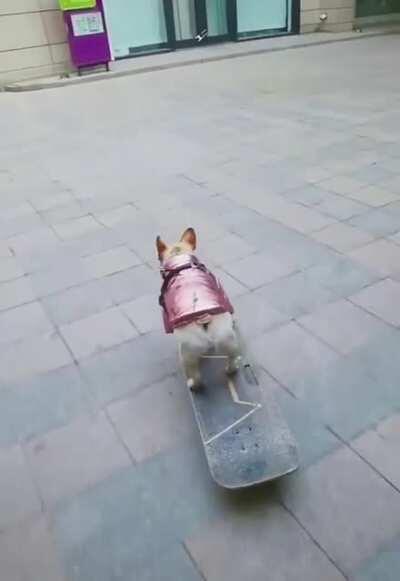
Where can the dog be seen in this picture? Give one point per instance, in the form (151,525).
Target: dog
(195,308)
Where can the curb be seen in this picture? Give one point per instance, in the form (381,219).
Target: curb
(27,86)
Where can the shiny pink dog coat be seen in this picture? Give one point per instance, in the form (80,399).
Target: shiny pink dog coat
(189,292)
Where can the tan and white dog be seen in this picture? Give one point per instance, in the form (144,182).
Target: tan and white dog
(195,308)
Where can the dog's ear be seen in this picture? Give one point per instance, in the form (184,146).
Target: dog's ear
(189,236)
(161,247)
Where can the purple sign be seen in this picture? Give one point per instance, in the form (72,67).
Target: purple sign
(87,36)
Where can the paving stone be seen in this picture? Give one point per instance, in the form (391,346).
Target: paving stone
(18,497)
(28,552)
(382,299)
(289,352)
(128,367)
(296,294)
(342,237)
(395,238)
(72,458)
(255,316)
(313,438)
(170,565)
(384,566)
(232,287)
(34,406)
(115,216)
(296,216)
(380,256)
(16,211)
(78,302)
(311,195)
(380,447)
(145,313)
(5,251)
(97,333)
(378,221)
(373,174)
(133,283)
(9,269)
(48,202)
(76,228)
(342,325)
(267,538)
(338,490)
(356,391)
(342,275)
(341,208)
(344,185)
(110,262)
(259,269)
(33,355)
(94,242)
(332,205)
(103,534)
(29,245)
(19,225)
(60,277)
(228,249)
(375,196)
(16,292)
(63,213)
(155,419)
(23,322)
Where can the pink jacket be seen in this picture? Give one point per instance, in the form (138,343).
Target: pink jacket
(189,292)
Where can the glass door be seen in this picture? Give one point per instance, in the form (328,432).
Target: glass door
(137,27)
(199,21)
(256,18)
(217,18)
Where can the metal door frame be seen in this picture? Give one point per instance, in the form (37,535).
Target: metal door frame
(292,27)
(201,25)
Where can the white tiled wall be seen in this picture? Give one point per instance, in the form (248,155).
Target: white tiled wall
(33,43)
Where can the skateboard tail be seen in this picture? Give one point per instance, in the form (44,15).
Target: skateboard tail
(245,437)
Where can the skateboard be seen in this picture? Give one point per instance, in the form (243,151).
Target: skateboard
(246,439)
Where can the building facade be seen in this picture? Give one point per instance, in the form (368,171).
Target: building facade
(33,36)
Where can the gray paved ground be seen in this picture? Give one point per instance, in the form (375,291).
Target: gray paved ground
(288,165)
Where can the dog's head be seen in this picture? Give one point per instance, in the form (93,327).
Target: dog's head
(186,245)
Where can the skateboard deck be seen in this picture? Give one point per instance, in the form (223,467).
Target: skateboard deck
(245,437)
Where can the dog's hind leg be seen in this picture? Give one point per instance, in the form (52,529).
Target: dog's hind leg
(191,367)
(226,341)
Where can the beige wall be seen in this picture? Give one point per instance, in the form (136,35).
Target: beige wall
(32,34)
(32,39)
(340,15)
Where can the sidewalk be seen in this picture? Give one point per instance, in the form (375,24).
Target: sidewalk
(287,164)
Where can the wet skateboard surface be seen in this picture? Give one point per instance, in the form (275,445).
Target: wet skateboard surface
(246,439)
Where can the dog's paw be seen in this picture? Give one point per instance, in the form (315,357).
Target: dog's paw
(193,384)
(233,366)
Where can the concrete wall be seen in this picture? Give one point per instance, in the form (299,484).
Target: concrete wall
(32,39)
(32,34)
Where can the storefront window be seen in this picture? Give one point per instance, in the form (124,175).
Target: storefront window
(136,26)
(258,17)
(377,7)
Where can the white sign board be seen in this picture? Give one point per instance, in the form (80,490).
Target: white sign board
(87,23)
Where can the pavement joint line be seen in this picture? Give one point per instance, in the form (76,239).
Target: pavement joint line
(119,436)
(313,539)
(194,562)
(348,445)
